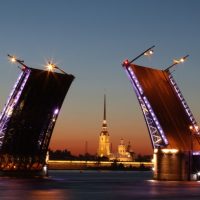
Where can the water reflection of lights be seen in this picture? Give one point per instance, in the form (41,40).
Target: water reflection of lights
(49,194)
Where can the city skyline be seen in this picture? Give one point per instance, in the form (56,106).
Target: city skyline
(90,39)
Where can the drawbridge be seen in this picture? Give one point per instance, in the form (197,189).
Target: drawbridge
(28,119)
(172,128)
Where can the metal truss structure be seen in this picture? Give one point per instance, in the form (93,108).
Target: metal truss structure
(183,101)
(47,136)
(12,102)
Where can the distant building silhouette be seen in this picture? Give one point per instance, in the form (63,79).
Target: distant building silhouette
(122,147)
(124,153)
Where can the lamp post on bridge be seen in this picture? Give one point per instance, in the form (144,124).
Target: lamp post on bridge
(51,67)
(147,52)
(14,59)
(176,62)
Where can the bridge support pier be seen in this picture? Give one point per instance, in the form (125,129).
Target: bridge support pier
(174,165)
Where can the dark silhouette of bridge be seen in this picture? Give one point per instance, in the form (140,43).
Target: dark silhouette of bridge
(28,119)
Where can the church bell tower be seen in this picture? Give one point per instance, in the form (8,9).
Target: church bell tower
(104,143)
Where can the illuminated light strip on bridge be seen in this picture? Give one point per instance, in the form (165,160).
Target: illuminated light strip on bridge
(45,142)
(146,107)
(156,120)
(166,151)
(10,96)
(196,153)
(186,107)
(12,101)
(135,81)
(170,151)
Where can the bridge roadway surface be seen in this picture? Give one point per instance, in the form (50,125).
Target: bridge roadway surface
(167,107)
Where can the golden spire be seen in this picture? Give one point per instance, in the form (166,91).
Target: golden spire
(104,125)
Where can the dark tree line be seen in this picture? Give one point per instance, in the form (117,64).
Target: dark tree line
(143,158)
(60,155)
(66,155)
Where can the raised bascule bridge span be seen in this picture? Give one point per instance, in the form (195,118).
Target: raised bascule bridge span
(171,125)
(28,119)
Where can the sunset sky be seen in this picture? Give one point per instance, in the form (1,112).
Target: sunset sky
(90,39)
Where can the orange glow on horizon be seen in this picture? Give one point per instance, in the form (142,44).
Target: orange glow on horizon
(76,145)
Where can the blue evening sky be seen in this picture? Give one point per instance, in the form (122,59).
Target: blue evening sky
(90,39)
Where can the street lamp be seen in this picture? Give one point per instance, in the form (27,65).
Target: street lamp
(51,67)
(176,62)
(147,52)
(14,59)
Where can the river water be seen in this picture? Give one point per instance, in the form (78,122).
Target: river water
(97,185)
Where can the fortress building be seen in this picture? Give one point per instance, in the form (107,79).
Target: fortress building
(124,151)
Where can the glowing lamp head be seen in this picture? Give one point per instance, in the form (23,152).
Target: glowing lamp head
(13,59)
(181,60)
(149,53)
(126,63)
(50,67)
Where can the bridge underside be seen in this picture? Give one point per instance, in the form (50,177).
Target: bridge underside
(28,119)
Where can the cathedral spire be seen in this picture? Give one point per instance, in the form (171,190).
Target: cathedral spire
(104,113)
(104,144)
(104,125)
